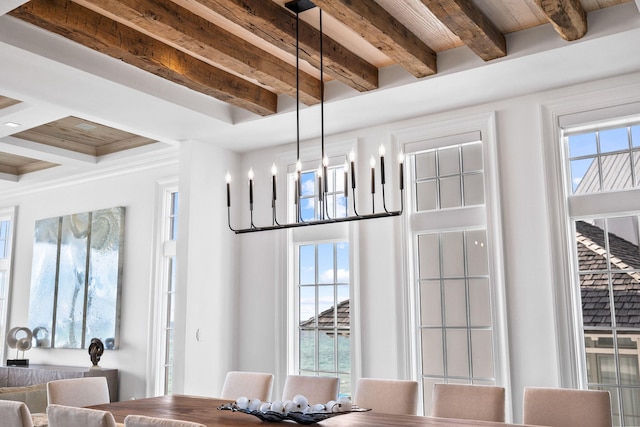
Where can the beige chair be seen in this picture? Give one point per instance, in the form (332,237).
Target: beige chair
(468,402)
(71,416)
(250,384)
(15,414)
(78,391)
(142,421)
(556,407)
(389,396)
(315,389)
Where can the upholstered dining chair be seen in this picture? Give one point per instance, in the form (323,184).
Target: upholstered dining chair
(389,396)
(250,384)
(556,407)
(143,421)
(315,389)
(68,416)
(468,402)
(15,414)
(78,392)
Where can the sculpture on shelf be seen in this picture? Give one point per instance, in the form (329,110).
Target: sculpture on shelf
(19,338)
(96,348)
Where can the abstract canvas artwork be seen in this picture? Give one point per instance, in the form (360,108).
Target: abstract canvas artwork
(76,279)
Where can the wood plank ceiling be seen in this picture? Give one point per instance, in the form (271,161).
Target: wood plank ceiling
(243,51)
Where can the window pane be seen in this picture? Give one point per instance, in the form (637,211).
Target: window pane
(327,353)
(455,303)
(457,353)
(432,361)
(342,260)
(307,265)
(452,254)
(430,303)
(631,406)
(308,180)
(479,302)
(482,351)
(613,140)
(307,349)
(472,157)
(426,196)
(344,352)
(595,300)
(635,136)
(326,304)
(429,256)
(616,171)
(585,177)
(477,263)
(307,306)
(325,263)
(450,192)
(473,190)
(449,161)
(426,165)
(582,145)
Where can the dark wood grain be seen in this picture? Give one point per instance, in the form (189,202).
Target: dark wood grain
(204,410)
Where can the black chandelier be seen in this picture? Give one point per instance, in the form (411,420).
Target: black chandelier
(299,6)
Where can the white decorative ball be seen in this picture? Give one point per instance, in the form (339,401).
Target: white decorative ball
(242,402)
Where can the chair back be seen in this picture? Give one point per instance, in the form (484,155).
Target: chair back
(389,396)
(142,421)
(78,392)
(468,402)
(315,389)
(250,384)
(556,407)
(68,416)
(15,414)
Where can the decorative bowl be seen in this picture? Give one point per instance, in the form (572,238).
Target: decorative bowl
(298,417)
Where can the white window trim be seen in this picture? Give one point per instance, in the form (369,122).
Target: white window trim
(596,106)
(157,314)
(451,131)
(10,214)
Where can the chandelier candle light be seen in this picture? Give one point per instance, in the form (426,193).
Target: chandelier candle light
(298,6)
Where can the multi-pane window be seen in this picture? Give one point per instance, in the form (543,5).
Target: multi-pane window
(607,265)
(453,284)
(333,204)
(322,288)
(604,160)
(170,290)
(6,233)
(449,177)
(324,326)
(164,317)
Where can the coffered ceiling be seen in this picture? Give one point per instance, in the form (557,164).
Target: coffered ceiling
(242,53)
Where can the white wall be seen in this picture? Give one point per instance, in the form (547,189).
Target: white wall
(257,322)
(136,191)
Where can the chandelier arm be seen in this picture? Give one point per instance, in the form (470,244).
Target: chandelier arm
(355,211)
(229,220)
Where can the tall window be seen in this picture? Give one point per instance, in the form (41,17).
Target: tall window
(324,327)
(6,245)
(165,292)
(607,268)
(454,254)
(322,340)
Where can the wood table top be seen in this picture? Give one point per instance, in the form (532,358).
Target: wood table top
(205,410)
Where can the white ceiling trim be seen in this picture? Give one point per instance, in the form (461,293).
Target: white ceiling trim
(48,153)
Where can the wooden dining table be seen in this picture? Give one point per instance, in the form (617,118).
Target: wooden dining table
(205,410)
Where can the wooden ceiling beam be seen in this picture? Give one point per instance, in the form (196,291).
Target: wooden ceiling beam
(568,17)
(277,26)
(104,35)
(468,22)
(195,35)
(383,31)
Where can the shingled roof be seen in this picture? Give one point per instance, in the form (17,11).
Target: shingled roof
(592,256)
(326,318)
